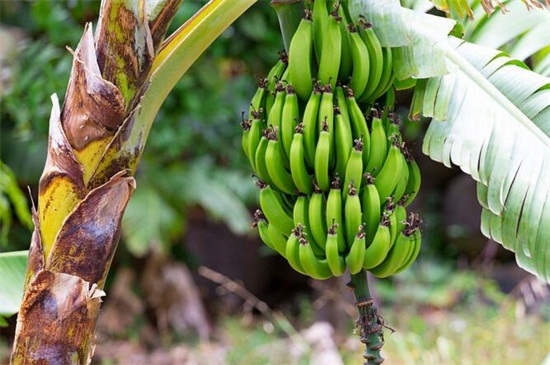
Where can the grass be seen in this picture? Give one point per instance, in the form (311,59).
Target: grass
(440,316)
(470,336)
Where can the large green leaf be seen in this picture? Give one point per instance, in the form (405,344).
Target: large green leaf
(150,222)
(414,35)
(520,31)
(218,193)
(490,117)
(11,195)
(12,274)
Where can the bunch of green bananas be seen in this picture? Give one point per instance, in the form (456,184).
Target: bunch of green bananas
(334,181)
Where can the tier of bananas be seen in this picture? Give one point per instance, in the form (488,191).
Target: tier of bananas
(334,174)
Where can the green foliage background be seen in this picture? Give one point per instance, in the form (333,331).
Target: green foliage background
(193,156)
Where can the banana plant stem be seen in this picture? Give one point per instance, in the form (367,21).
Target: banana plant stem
(369,325)
(289,12)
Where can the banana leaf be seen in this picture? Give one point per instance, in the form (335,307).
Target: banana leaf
(521,31)
(12,276)
(490,116)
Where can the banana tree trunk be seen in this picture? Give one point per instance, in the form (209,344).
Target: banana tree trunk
(87,182)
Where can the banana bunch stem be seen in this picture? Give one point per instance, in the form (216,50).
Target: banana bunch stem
(289,13)
(369,324)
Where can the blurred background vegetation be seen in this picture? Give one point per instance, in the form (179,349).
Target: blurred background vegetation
(465,301)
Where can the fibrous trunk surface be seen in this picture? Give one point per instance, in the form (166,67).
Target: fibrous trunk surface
(87,182)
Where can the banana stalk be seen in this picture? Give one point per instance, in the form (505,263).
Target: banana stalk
(289,13)
(95,142)
(369,325)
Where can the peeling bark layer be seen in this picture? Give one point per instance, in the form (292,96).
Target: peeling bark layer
(87,241)
(124,46)
(65,308)
(94,107)
(61,185)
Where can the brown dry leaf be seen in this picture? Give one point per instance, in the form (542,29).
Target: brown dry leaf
(57,304)
(87,241)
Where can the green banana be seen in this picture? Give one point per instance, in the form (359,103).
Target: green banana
(284,76)
(352,214)
(341,103)
(293,250)
(313,266)
(309,121)
(378,147)
(276,112)
(331,50)
(287,201)
(413,184)
(376,58)
(300,217)
(417,240)
(334,217)
(298,169)
(320,21)
(317,208)
(361,62)
(254,137)
(346,62)
(300,57)
(359,126)
(390,212)
(356,254)
(386,80)
(326,115)
(258,100)
(388,98)
(378,249)
(274,210)
(278,240)
(370,203)
(277,70)
(401,186)
(410,251)
(393,129)
(262,225)
(321,163)
(396,257)
(326,107)
(390,173)
(289,119)
(259,158)
(343,142)
(354,168)
(401,216)
(273,77)
(336,262)
(384,114)
(281,178)
(300,212)
(245,125)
